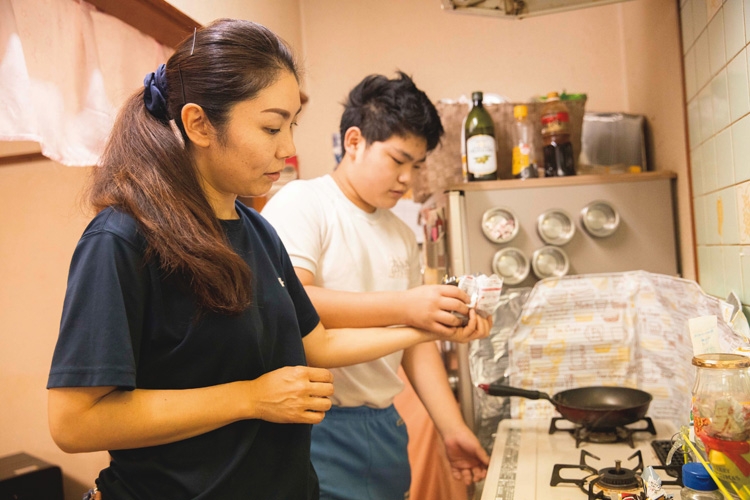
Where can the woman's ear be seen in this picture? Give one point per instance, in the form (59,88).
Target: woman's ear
(196,124)
(352,140)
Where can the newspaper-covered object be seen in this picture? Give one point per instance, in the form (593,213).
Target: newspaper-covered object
(621,329)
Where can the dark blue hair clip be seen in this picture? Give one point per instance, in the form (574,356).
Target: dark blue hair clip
(155,92)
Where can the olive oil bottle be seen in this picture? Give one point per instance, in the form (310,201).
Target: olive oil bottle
(480,149)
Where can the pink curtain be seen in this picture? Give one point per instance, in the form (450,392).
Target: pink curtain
(65,68)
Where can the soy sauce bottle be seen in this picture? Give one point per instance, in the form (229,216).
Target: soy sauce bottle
(557,148)
(479,142)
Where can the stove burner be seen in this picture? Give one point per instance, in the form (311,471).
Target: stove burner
(609,435)
(617,478)
(609,482)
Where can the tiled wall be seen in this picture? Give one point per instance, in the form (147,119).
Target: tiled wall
(715,37)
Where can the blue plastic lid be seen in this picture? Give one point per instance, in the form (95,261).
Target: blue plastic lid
(695,476)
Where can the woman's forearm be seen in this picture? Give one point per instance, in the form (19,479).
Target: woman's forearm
(329,348)
(340,309)
(84,419)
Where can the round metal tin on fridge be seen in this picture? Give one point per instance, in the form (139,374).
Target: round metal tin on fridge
(511,264)
(600,219)
(555,227)
(499,224)
(549,262)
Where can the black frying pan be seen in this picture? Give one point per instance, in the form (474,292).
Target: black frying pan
(592,407)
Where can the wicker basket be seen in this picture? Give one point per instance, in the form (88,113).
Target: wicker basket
(443,165)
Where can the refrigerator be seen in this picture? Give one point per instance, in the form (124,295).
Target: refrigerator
(528,230)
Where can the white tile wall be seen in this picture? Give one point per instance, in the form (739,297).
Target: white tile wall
(696,168)
(737,81)
(691,79)
(686,23)
(712,218)
(743,214)
(716,254)
(744,255)
(730,230)
(709,167)
(715,38)
(717,57)
(720,98)
(733,268)
(704,265)
(705,114)
(702,68)
(700,16)
(700,215)
(734,27)
(741,148)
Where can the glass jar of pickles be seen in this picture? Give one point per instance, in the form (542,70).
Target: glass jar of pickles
(721,415)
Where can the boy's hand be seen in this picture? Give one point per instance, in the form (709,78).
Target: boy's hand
(467,457)
(430,308)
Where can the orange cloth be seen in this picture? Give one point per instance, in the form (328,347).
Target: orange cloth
(430,470)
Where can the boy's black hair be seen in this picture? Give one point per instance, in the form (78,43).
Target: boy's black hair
(383,107)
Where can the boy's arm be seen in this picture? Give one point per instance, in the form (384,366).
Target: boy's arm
(424,367)
(426,307)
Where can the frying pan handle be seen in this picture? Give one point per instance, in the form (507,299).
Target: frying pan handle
(504,390)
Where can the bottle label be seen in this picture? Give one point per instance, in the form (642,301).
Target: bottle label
(481,155)
(521,160)
(555,123)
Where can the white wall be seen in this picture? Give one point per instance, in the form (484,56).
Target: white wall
(281,16)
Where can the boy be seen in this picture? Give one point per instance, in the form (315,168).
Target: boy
(360,266)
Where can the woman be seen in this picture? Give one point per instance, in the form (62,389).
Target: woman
(185,334)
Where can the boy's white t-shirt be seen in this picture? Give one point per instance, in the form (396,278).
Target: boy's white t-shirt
(351,250)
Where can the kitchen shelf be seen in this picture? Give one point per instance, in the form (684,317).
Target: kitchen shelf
(573,180)
(159,19)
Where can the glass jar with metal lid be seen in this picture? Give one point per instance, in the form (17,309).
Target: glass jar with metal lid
(721,415)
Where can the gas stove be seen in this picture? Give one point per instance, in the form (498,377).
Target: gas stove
(538,459)
(618,434)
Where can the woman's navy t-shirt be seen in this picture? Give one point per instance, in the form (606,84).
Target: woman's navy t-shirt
(127,324)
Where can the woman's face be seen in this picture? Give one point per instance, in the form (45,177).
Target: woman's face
(257,139)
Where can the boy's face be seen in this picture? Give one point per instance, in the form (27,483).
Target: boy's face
(383,171)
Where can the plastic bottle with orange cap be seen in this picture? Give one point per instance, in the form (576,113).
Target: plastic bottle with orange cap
(524,163)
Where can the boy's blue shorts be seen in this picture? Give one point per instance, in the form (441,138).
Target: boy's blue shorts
(360,454)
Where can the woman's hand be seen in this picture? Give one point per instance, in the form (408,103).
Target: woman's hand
(293,394)
(477,328)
